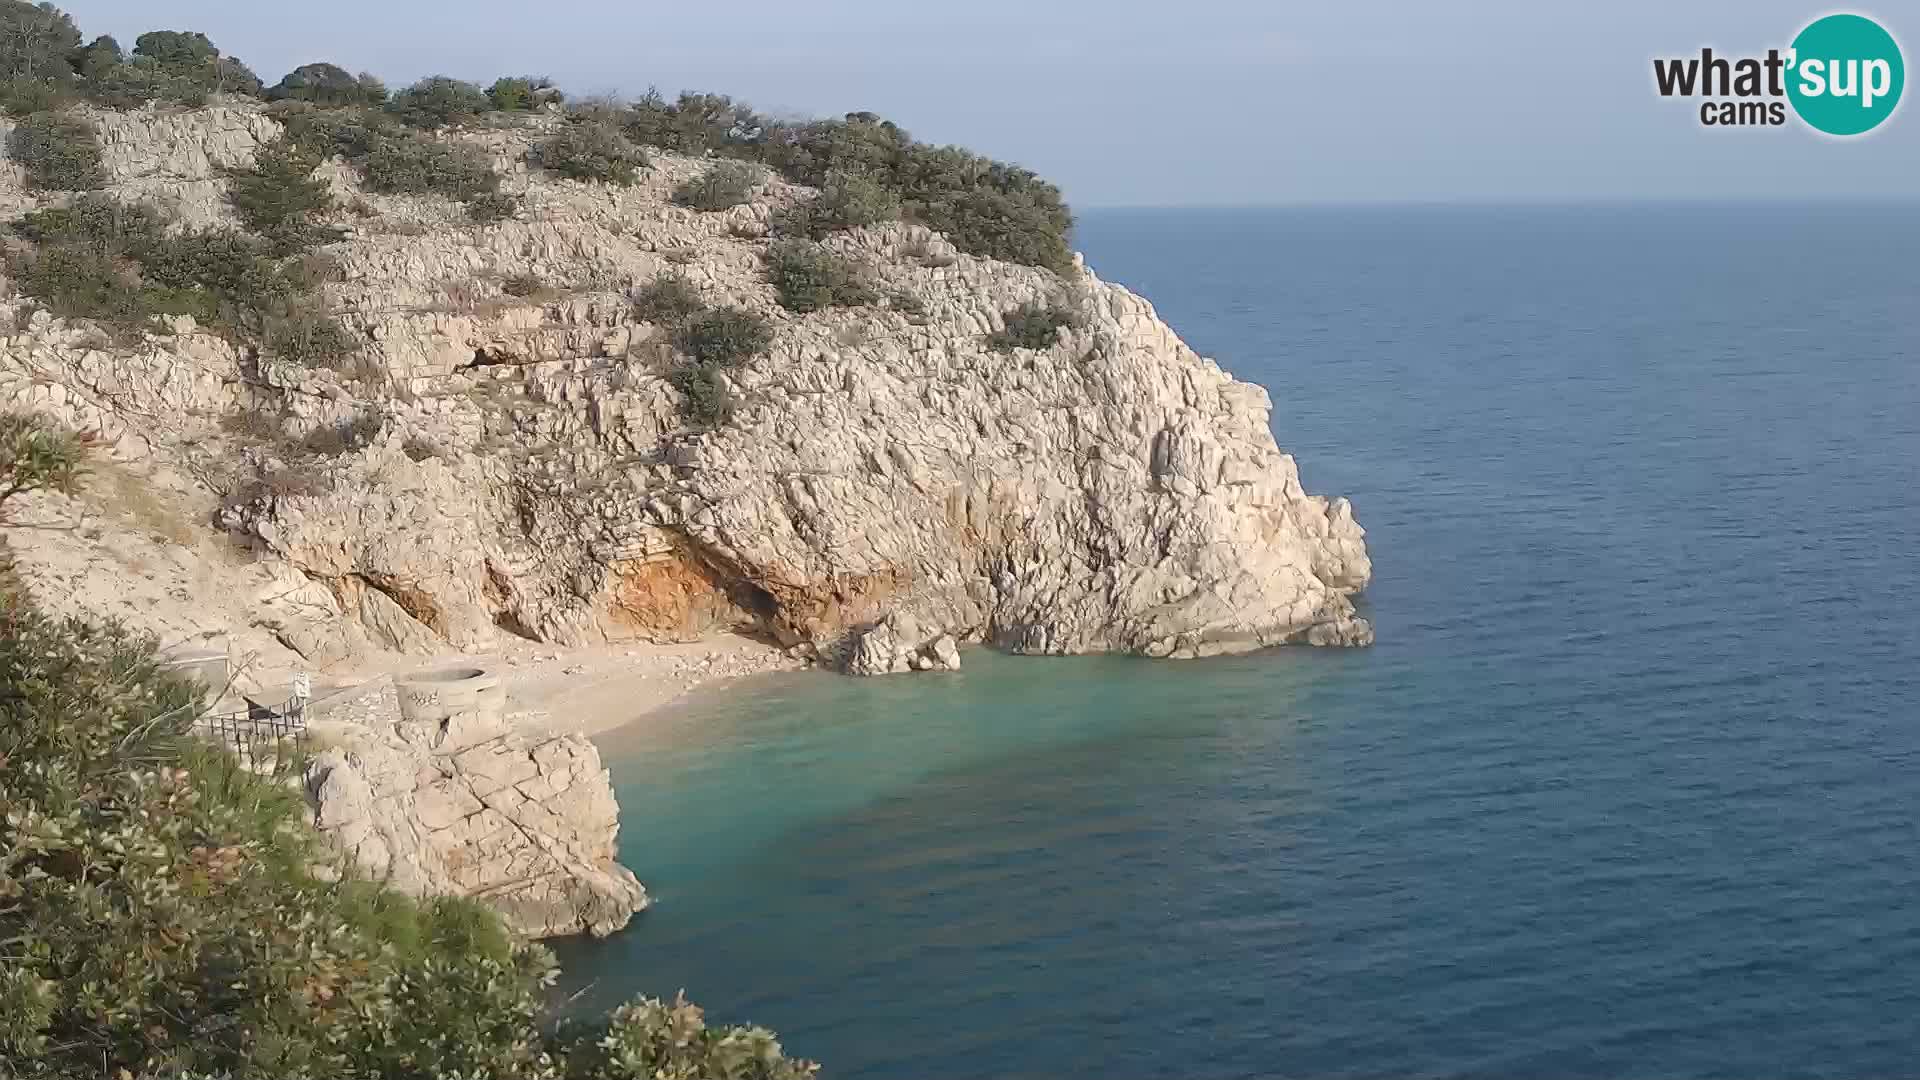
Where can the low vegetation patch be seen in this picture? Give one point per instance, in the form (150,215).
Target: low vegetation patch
(810,278)
(280,200)
(177,67)
(522,94)
(1031,326)
(589,150)
(723,337)
(722,187)
(59,151)
(667,300)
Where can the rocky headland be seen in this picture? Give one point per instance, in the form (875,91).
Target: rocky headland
(510,457)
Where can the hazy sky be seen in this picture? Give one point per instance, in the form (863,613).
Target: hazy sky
(1128,102)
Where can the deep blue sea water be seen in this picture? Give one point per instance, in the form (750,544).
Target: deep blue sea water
(1629,787)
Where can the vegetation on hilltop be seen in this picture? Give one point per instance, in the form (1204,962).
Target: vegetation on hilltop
(868,169)
(164,912)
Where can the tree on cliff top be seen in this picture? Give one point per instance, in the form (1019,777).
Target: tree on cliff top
(160,913)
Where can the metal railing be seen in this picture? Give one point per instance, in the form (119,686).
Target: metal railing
(270,741)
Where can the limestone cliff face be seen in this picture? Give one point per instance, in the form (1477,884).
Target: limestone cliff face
(885,483)
(465,803)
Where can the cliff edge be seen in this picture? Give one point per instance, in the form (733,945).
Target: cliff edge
(511,452)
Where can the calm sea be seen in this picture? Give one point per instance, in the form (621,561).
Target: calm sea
(1629,787)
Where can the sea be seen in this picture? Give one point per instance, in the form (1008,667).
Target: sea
(1630,785)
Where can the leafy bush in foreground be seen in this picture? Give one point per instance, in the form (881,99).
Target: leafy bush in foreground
(160,913)
(59,152)
(809,277)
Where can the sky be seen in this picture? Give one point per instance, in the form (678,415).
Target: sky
(1128,103)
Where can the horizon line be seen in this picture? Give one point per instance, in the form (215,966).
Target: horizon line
(1497,202)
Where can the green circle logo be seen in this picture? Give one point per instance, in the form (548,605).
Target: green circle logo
(1846,74)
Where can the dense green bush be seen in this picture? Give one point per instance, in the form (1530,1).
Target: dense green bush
(438,101)
(100,222)
(175,66)
(846,201)
(1031,326)
(711,341)
(985,207)
(722,186)
(328,84)
(351,133)
(589,150)
(35,43)
(522,94)
(81,283)
(60,152)
(161,915)
(723,337)
(693,124)
(809,278)
(668,300)
(280,199)
(417,166)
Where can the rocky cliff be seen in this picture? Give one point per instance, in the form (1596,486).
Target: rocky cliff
(461,800)
(886,481)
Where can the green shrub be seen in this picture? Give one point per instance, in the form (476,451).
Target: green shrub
(438,101)
(722,187)
(847,201)
(521,94)
(35,455)
(60,152)
(351,133)
(1031,326)
(99,222)
(303,334)
(723,337)
(82,283)
(704,399)
(591,151)
(181,67)
(417,166)
(280,199)
(23,97)
(693,124)
(329,84)
(667,300)
(491,207)
(163,918)
(810,278)
(35,41)
(98,57)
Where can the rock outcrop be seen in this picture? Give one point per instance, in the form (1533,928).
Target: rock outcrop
(457,801)
(887,486)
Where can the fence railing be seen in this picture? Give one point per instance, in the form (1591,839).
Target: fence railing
(264,740)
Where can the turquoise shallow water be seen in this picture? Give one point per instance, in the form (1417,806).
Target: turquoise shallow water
(1627,787)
